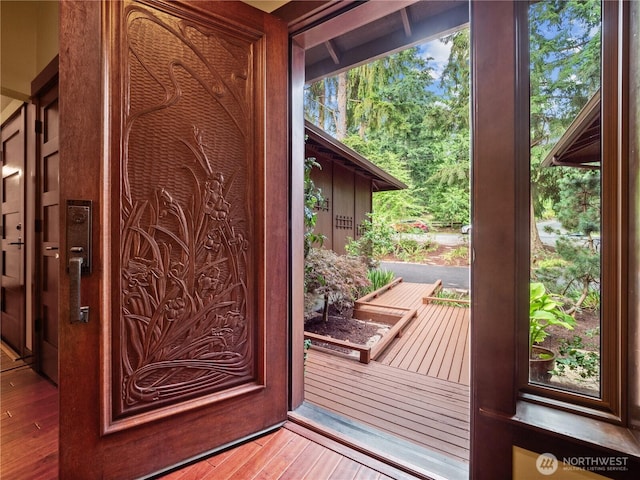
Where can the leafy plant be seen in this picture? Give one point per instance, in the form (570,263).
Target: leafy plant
(461,252)
(545,310)
(307,346)
(408,249)
(379,278)
(592,300)
(452,295)
(575,358)
(312,198)
(375,242)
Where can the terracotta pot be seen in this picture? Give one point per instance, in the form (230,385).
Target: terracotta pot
(542,362)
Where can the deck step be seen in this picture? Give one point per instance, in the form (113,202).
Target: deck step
(414,459)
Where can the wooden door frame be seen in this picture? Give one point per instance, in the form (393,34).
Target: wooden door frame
(500,240)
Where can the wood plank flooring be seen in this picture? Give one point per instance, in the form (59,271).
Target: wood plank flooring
(294,453)
(427,411)
(29,444)
(29,426)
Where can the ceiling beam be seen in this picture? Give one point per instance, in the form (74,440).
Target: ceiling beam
(331,48)
(349,20)
(405,22)
(428,29)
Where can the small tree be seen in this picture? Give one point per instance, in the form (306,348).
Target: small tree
(338,279)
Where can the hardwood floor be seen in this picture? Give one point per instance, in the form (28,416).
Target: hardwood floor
(292,452)
(29,444)
(29,424)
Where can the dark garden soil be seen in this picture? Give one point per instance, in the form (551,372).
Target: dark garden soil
(587,328)
(343,327)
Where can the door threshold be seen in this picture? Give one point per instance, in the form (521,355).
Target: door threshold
(381,446)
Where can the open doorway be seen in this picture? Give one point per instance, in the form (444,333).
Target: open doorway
(29,317)
(392,113)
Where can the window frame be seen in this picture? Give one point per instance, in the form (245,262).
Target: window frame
(614,265)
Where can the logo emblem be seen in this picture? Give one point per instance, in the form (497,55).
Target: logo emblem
(547,464)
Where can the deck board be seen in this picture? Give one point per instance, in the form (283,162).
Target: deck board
(418,389)
(427,411)
(435,343)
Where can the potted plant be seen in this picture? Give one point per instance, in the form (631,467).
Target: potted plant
(545,310)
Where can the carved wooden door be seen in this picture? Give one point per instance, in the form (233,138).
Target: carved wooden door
(174,125)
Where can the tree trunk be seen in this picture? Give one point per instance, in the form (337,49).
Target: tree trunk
(325,309)
(537,247)
(322,106)
(341,126)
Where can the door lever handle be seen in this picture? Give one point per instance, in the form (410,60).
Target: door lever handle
(19,243)
(77,313)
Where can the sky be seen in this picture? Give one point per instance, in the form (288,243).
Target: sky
(440,54)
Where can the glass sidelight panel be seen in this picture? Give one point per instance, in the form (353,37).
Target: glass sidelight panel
(565,175)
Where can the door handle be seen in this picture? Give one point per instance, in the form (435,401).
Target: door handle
(19,243)
(77,313)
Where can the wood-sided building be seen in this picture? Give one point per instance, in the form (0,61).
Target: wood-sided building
(347,181)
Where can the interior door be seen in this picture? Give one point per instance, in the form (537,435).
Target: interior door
(12,323)
(173,120)
(49,254)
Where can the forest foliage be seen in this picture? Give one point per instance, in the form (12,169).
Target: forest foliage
(413,120)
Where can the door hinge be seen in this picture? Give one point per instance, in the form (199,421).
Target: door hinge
(38,225)
(38,126)
(37,325)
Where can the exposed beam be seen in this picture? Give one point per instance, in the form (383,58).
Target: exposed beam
(331,48)
(406,24)
(424,31)
(350,20)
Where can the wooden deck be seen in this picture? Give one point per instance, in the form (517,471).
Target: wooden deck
(426,411)
(418,389)
(436,342)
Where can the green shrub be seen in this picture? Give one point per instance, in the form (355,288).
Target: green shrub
(379,278)
(574,357)
(461,252)
(375,242)
(407,249)
(452,295)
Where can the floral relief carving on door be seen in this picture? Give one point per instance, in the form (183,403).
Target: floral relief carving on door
(186,325)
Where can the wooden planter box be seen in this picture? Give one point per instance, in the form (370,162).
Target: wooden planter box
(397,317)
